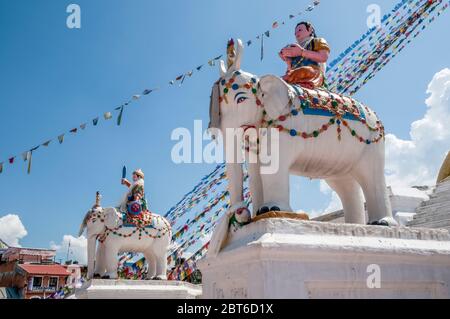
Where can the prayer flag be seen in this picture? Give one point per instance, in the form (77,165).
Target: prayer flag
(119,118)
(30,154)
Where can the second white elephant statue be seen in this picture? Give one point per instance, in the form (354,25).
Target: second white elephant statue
(106,226)
(322,135)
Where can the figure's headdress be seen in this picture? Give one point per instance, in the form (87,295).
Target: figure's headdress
(139,173)
(231,53)
(97,200)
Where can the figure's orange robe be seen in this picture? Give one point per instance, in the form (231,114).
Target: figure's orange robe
(306,72)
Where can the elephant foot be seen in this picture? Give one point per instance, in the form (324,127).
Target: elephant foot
(97,276)
(159,278)
(265,209)
(387,221)
(106,277)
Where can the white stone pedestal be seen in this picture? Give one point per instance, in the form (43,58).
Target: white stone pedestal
(137,289)
(286,258)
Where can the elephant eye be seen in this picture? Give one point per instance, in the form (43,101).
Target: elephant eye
(241,99)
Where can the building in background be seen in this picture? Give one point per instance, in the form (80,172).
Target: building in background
(43,280)
(30,273)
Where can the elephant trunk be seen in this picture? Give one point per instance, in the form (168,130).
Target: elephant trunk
(84,223)
(92,243)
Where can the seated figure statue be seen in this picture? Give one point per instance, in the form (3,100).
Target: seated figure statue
(134,202)
(306,59)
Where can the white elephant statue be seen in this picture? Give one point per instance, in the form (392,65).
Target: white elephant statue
(106,226)
(322,135)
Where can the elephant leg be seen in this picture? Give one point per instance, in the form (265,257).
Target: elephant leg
(235,179)
(276,190)
(349,191)
(100,261)
(161,265)
(256,189)
(111,262)
(151,261)
(370,175)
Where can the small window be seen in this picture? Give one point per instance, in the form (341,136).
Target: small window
(53,282)
(37,281)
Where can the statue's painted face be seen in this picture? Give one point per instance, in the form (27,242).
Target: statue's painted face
(302,32)
(135,177)
(238,99)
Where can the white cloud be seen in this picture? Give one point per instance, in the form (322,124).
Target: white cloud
(333,205)
(417,161)
(12,230)
(77,251)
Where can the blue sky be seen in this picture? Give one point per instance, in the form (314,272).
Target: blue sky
(53,78)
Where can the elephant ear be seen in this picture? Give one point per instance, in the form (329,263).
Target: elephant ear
(214,110)
(112,218)
(222,68)
(239,54)
(276,95)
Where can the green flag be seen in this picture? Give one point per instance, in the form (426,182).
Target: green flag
(119,118)
(29,155)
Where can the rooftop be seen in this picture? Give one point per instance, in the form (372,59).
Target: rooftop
(14,252)
(55,269)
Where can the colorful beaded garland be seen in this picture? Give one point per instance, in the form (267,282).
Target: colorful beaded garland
(337,108)
(230,84)
(138,228)
(335,104)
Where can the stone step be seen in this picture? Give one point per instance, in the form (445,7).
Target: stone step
(433,213)
(442,188)
(430,219)
(435,206)
(441,193)
(433,201)
(437,199)
(434,224)
(432,216)
(423,221)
